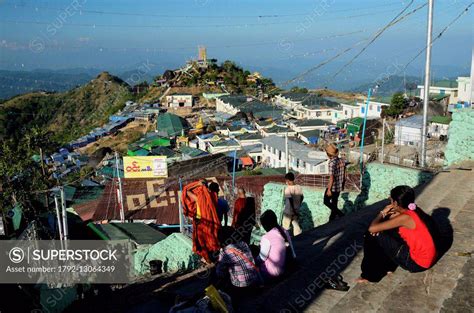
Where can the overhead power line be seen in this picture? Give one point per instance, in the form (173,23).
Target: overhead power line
(398,18)
(93,25)
(466,9)
(395,20)
(268,15)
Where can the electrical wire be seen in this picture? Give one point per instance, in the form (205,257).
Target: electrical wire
(244,25)
(398,18)
(104,12)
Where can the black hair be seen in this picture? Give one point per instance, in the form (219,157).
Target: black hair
(268,219)
(214,187)
(404,195)
(290,176)
(225,235)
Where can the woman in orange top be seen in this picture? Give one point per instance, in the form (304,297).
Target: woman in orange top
(400,235)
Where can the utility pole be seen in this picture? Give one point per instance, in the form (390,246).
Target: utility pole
(233,169)
(65,226)
(383,138)
(120,192)
(426,91)
(287,157)
(58,216)
(181,216)
(369,94)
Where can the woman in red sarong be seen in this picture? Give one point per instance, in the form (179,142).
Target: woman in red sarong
(243,219)
(199,203)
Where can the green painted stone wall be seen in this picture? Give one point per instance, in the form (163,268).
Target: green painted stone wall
(377,182)
(460,145)
(175,252)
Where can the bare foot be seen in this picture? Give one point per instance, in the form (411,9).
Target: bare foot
(361,280)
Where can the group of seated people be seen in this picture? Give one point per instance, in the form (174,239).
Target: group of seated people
(241,266)
(400,235)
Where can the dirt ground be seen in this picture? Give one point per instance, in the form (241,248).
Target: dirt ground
(119,142)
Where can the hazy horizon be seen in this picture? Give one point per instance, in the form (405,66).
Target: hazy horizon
(278,38)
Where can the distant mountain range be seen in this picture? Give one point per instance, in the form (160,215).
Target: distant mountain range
(13,83)
(391,85)
(356,78)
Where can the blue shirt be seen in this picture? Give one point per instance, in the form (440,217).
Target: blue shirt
(222,208)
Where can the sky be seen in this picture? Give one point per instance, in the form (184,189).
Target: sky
(282,38)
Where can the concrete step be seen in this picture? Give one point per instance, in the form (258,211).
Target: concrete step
(441,192)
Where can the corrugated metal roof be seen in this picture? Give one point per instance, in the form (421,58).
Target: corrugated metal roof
(315,122)
(415,121)
(137,232)
(170,124)
(249,136)
(146,199)
(441,119)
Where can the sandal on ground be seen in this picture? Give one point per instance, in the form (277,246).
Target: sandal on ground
(336,284)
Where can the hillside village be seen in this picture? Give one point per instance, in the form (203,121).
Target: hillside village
(223,123)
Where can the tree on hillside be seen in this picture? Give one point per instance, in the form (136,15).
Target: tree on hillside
(297,89)
(21,177)
(397,105)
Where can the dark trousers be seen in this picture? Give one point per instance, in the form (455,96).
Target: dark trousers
(384,253)
(331,203)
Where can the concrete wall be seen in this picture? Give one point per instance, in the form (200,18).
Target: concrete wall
(461,137)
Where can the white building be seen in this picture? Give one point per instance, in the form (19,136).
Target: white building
(439,126)
(277,130)
(305,125)
(311,106)
(234,104)
(374,109)
(248,139)
(464,89)
(302,159)
(307,106)
(408,131)
(442,88)
(223,146)
(179,101)
(203,141)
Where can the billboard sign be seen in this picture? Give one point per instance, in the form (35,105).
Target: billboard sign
(145,167)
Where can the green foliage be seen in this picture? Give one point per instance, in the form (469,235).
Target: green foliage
(297,89)
(255,172)
(84,172)
(388,137)
(20,176)
(397,105)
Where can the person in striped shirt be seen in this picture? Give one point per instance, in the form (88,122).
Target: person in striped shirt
(337,178)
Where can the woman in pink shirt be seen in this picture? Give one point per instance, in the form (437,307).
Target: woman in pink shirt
(273,247)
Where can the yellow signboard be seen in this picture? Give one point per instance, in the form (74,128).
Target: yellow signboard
(145,166)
